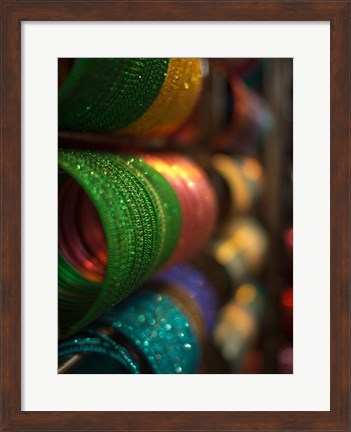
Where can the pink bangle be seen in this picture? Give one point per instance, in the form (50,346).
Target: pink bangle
(197,200)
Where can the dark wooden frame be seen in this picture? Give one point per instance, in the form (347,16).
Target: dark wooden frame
(13,13)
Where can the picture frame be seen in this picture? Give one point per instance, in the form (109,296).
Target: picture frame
(338,14)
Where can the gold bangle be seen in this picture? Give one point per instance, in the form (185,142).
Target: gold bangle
(241,198)
(175,102)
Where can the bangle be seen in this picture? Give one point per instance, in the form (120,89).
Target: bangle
(253,173)
(167,201)
(250,120)
(229,257)
(140,216)
(222,193)
(252,297)
(244,177)
(148,333)
(77,305)
(241,249)
(80,234)
(188,307)
(235,332)
(175,102)
(251,239)
(197,202)
(216,274)
(154,324)
(241,200)
(112,358)
(198,289)
(102,95)
(238,324)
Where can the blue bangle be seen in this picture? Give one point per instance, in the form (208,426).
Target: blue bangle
(190,280)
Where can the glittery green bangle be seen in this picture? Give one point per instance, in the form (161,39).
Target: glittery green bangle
(106,94)
(166,200)
(128,220)
(163,199)
(137,210)
(73,285)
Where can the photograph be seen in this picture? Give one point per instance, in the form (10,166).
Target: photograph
(175,215)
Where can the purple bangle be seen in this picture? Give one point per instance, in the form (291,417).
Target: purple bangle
(191,281)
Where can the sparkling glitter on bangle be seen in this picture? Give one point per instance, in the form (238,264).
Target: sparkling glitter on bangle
(175,102)
(153,322)
(136,224)
(98,354)
(106,94)
(197,200)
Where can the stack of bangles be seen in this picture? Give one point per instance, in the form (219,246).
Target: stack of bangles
(158,329)
(238,324)
(241,249)
(121,219)
(244,180)
(197,201)
(188,282)
(144,96)
(135,337)
(250,120)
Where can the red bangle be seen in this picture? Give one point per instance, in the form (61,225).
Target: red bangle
(249,122)
(80,235)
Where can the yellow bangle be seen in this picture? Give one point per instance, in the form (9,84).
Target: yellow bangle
(241,198)
(175,102)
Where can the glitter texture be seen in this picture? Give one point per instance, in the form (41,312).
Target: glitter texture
(197,200)
(91,341)
(102,95)
(178,96)
(148,331)
(140,215)
(162,331)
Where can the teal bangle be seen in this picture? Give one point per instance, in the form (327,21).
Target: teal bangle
(147,333)
(137,210)
(92,342)
(155,325)
(102,95)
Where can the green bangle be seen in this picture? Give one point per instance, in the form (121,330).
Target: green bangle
(140,214)
(102,95)
(166,200)
(163,199)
